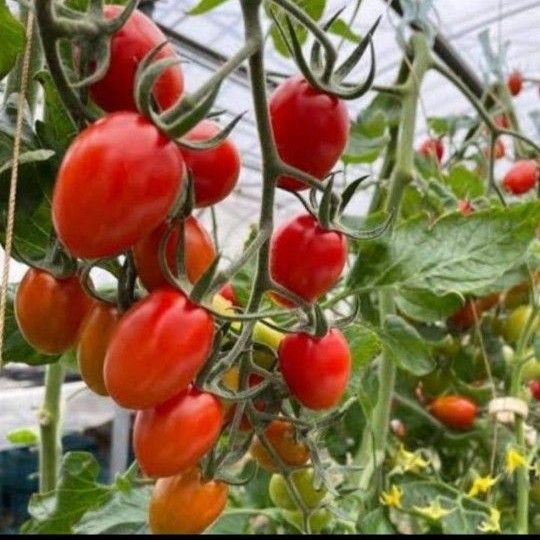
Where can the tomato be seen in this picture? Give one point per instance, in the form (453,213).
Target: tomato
(499,150)
(310,129)
(117,182)
(129,45)
(398,428)
(501,120)
(517,295)
(227,291)
(516,321)
(186,503)
(281,436)
(50,311)
(534,387)
(266,335)
(530,370)
(214,171)
(457,412)
(175,435)
(159,346)
(522,177)
(306,259)
(303,479)
(432,148)
(316,369)
(97,329)
(515,82)
(465,207)
(464,317)
(199,253)
(318,520)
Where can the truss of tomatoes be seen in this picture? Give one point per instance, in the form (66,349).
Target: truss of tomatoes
(114,190)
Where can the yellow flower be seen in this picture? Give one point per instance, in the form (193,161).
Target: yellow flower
(514,460)
(434,511)
(392,497)
(410,461)
(482,484)
(491,524)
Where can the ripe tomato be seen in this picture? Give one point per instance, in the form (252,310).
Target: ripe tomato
(214,171)
(227,291)
(175,435)
(303,479)
(310,129)
(457,412)
(522,177)
(465,207)
(158,347)
(534,387)
(515,82)
(501,120)
(499,150)
(96,332)
(432,148)
(186,503)
(281,436)
(316,370)
(129,45)
(464,318)
(49,311)
(109,194)
(306,259)
(199,252)
(516,321)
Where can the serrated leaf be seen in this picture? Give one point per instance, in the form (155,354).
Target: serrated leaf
(204,6)
(13,39)
(465,184)
(376,522)
(426,306)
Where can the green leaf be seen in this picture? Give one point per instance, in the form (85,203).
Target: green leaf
(13,39)
(77,492)
(364,344)
(26,436)
(205,5)
(449,125)
(230,523)
(367,138)
(405,346)
(30,156)
(424,305)
(342,29)
(464,183)
(376,522)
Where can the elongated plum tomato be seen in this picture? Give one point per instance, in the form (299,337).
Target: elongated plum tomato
(457,412)
(96,332)
(50,311)
(432,148)
(117,182)
(159,345)
(310,129)
(316,370)
(521,177)
(515,82)
(199,252)
(129,45)
(186,503)
(214,171)
(306,259)
(175,435)
(227,291)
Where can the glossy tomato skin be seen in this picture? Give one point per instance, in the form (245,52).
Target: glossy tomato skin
(281,436)
(455,411)
(129,45)
(50,311)
(515,82)
(306,259)
(199,252)
(96,331)
(214,171)
(173,436)
(316,370)
(157,349)
(117,182)
(186,503)
(432,148)
(465,318)
(227,291)
(310,129)
(521,177)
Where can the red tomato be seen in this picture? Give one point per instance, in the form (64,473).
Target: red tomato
(49,311)
(500,150)
(157,349)
(310,129)
(464,317)
(186,504)
(215,171)
(175,435)
(316,370)
(465,207)
(501,120)
(199,253)
(454,411)
(534,387)
(129,45)
(515,82)
(432,148)
(306,259)
(282,437)
(96,332)
(522,177)
(227,291)
(117,182)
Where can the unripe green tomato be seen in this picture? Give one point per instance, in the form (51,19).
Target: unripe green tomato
(534,493)
(317,521)
(516,321)
(267,336)
(303,480)
(530,370)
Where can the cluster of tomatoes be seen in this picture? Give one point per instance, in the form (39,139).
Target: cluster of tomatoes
(115,189)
